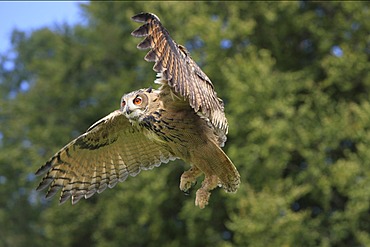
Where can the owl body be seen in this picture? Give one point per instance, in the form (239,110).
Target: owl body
(183,119)
(172,124)
(167,122)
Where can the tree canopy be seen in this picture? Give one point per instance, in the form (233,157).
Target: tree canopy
(294,77)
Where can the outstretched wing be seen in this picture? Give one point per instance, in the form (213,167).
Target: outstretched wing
(108,152)
(179,71)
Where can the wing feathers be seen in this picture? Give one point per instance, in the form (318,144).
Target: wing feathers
(151,56)
(179,71)
(141,31)
(144,17)
(145,44)
(111,150)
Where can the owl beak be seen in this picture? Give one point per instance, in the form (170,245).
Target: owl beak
(128,111)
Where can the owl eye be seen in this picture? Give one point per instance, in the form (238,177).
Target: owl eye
(137,100)
(123,103)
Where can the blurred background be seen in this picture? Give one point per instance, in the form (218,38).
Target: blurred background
(294,77)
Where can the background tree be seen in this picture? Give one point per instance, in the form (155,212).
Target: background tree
(294,78)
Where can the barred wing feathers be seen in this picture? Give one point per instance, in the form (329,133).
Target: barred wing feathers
(107,153)
(176,68)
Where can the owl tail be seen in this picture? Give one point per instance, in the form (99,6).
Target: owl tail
(213,161)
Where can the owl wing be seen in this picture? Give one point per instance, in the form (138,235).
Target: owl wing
(109,151)
(179,71)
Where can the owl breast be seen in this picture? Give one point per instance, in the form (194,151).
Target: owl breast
(177,129)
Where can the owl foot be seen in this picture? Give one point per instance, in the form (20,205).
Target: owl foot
(189,179)
(187,192)
(202,197)
(203,194)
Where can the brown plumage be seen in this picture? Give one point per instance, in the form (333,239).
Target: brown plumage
(183,119)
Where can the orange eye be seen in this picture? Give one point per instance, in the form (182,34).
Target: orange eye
(123,103)
(137,100)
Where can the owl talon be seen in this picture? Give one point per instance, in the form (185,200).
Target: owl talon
(188,179)
(185,186)
(187,192)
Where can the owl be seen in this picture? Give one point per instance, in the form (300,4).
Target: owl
(182,119)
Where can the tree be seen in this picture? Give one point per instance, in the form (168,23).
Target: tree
(294,78)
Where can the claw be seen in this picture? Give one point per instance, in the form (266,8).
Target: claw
(187,192)
(189,179)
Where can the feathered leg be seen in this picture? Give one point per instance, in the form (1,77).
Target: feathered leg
(217,168)
(202,196)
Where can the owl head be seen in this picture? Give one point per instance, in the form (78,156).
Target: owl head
(135,104)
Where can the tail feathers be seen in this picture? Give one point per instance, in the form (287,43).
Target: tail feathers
(213,161)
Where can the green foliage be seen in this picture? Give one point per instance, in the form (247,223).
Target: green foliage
(294,78)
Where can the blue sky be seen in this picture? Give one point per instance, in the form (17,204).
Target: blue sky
(28,16)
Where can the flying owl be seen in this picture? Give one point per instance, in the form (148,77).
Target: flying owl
(182,119)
